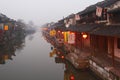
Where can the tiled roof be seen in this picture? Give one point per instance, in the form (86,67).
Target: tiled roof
(84,27)
(102,4)
(108,30)
(114,10)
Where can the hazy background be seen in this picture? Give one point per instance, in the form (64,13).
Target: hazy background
(42,11)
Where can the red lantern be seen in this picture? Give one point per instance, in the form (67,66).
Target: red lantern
(62,57)
(72,77)
(59,31)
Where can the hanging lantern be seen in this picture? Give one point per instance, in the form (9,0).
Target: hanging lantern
(6,27)
(59,31)
(62,57)
(72,77)
(52,33)
(62,32)
(84,36)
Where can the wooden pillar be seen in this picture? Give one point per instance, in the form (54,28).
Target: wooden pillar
(113,57)
(92,45)
(80,41)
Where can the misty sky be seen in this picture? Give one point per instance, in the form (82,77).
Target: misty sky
(42,11)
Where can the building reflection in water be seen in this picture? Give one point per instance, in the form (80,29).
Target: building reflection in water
(9,44)
(71,73)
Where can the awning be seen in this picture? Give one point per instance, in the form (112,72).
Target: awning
(84,27)
(116,10)
(108,30)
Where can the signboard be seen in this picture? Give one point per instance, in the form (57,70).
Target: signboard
(77,17)
(65,37)
(71,38)
(98,11)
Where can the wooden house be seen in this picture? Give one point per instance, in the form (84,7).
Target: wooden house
(97,37)
(102,40)
(105,44)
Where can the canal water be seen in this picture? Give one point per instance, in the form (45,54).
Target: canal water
(29,59)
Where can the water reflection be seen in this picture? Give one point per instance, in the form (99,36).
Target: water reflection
(71,73)
(9,44)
